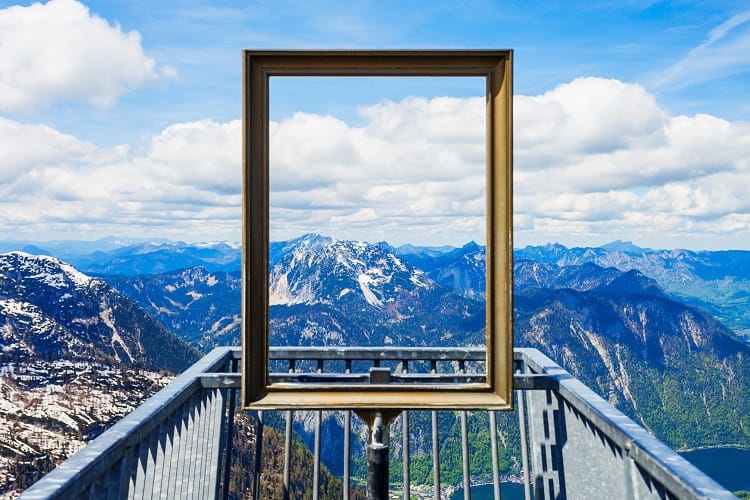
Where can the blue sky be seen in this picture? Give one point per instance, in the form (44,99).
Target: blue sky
(632,121)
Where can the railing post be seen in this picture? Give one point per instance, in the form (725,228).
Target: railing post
(405,444)
(435,456)
(377,461)
(495,458)
(258,456)
(285,492)
(347,440)
(435,446)
(316,461)
(524,444)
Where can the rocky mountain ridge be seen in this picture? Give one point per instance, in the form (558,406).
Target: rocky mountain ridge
(75,356)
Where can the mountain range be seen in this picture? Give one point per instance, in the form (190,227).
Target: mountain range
(75,357)
(637,325)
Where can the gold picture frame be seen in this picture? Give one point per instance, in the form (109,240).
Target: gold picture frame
(258,67)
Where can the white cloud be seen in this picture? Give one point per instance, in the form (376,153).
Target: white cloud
(26,146)
(414,165)
(187,185)
(60,51)
(660,180)
(410,171)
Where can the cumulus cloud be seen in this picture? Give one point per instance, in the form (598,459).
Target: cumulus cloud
(415,165)
(185,185)
(595,160)
(61,51)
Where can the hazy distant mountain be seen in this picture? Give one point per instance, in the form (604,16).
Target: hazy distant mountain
(717,281)
(152,258)
(63,249)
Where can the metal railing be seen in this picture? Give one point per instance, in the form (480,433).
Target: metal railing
(573,443)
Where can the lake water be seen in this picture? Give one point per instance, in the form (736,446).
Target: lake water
(509,491)
(727,466)
(730,467)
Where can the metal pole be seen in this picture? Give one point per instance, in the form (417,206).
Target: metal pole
(233,368)
(288,445)
(465,455)
(377,461)
(347,451)
(435,456)
(524,446)
(287,455)
(435,446)
(258,456)
(465,443)
(495,461)
(316,462)
(347,440)
(405,444)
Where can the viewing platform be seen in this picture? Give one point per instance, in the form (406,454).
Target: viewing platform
(574,445)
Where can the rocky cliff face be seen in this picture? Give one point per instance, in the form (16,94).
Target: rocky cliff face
(666,364)
(50,310)
(75,356)
(202,307)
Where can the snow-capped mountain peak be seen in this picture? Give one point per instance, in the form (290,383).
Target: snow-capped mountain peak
(49,270)
(319,269)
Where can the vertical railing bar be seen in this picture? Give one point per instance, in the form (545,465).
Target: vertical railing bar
(161,472)
(182,450)
(209,469)
(316,463)
(125,473)
(140,472)
(192,445)
(258,456)
(347,441)
(221,443)
(405,453)
(465,443)
(288,445)
(229,438)
(405,442)
(524,444)
(205,440)
(229,434)
(495,460)
(212,469)
(150,464)
(435,456)
(287,455)
(465,454)
(171,466)
(347,452)
(216,442)
(200,466)
(435,445)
